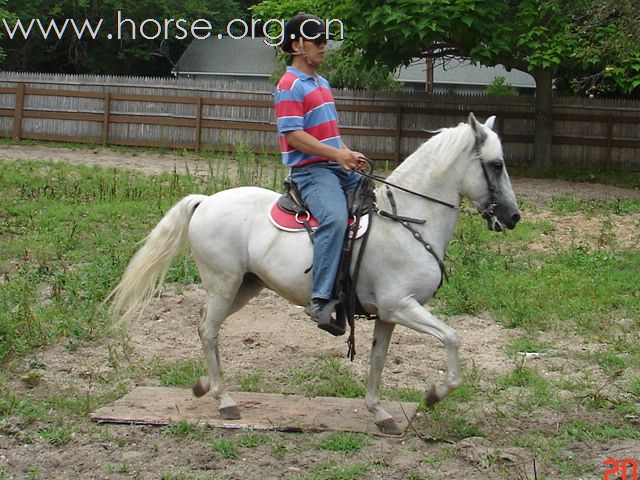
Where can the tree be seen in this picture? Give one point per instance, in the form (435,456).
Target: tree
(127,55)
(4,13)
(608,49)
(529,35)
(543,37)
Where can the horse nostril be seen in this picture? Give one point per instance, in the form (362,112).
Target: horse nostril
(515,218)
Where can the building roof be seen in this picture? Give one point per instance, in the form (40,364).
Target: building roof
(228,56)
(463,72)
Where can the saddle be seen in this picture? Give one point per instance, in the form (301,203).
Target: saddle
(289,213)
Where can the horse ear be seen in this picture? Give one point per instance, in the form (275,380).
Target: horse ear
(477,129)
(490,122)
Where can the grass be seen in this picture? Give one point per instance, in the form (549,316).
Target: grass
(66,234)
(347,443)
(327,378)
(621,178)
(616,206)
(182,373)
(331,471)
(568,288)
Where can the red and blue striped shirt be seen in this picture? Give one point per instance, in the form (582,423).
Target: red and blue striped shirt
(305,102)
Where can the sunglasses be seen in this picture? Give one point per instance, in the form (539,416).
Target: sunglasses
(319,42)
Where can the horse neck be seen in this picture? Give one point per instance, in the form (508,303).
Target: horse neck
(438,166)
(436,169)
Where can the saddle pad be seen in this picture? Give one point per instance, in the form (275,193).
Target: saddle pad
(291,222)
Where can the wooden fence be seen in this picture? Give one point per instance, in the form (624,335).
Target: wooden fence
(223,114)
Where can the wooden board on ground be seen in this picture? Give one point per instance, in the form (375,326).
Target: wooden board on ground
(260,411)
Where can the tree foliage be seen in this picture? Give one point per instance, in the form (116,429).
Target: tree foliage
(543,37)
(125,56)
(342,68)
(608,48)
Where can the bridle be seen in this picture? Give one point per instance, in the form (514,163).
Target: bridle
(487,213)
(492,188)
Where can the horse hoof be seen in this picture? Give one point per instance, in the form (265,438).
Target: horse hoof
(232,412)
(199,389)
(388,426)
(431,397)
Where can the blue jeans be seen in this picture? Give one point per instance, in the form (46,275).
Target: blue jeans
(323,187)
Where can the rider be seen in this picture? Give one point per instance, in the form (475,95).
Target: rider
(322,167)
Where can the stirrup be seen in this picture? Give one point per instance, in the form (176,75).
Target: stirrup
(327,322)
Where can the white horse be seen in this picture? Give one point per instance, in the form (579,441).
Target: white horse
(239,252)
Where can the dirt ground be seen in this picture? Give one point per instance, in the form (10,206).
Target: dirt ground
(270,337)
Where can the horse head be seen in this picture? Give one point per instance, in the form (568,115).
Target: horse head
(486,181)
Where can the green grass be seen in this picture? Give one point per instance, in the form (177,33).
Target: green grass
(250,382)
(67,232)
(226,448)
(568,288)
(183,373)
(332,471)
(57,434)
(347,443)
(616,206)
(621,178)
(327,378)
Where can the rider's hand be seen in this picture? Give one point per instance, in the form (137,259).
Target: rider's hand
(348,159)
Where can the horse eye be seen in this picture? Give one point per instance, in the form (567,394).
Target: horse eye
(497,166)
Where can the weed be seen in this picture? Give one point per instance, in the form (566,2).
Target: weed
(185,429)
(526,343)
(252,439)
(537,387)
(225,448)
(250,382)
(57,434)
(33,473)
(593,431)
(328,378)
(180,374)
(347,443)
(331,471)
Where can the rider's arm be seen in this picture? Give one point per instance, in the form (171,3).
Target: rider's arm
(306,143)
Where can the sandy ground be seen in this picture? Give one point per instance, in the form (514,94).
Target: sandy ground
(272,337)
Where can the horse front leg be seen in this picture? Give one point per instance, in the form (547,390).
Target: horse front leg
(413,315)
(381,336)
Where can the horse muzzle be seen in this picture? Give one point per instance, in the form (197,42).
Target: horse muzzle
(498,219)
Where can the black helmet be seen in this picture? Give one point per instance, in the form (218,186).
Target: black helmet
(305,26)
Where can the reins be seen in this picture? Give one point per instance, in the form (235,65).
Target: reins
(377,178)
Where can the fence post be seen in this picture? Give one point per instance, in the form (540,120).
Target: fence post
(608,165)
(105,118)
(398,144)
(17,112)
(198,124)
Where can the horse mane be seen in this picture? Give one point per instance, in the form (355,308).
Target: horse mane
(437,154)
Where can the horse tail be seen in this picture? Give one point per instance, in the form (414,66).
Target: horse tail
(146,271)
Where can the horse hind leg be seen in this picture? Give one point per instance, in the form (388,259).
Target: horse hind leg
(217,309)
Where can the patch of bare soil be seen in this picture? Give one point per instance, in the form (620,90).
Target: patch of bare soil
(271,337)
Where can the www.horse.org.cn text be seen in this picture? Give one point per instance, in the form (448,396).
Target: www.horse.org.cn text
(271,31)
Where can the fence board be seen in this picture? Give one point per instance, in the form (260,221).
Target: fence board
(223,114)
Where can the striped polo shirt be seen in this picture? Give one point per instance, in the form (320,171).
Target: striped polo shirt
(305,102)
